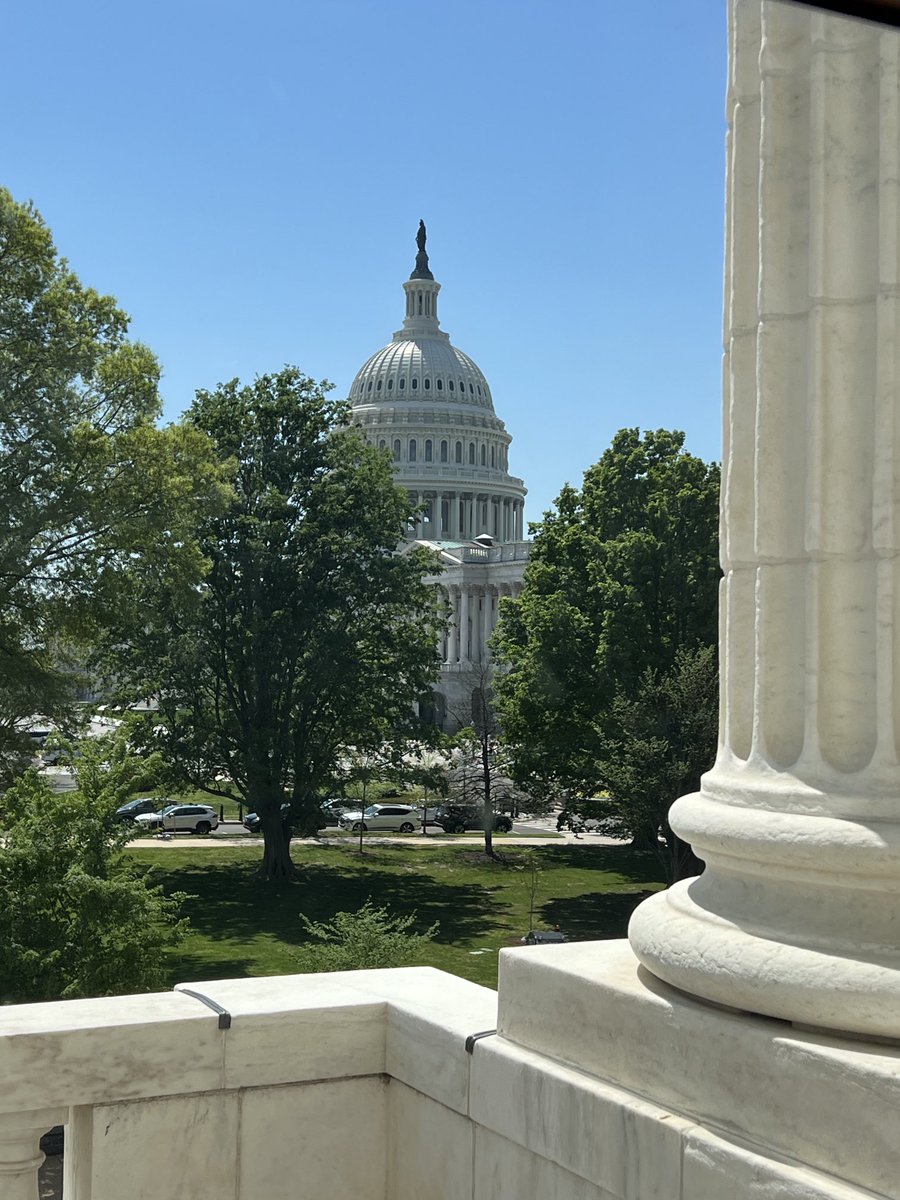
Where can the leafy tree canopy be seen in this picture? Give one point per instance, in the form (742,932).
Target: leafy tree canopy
(90,489)
(310,632)
(77,918)
(616,624)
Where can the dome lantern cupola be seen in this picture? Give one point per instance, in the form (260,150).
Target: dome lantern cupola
(421,294)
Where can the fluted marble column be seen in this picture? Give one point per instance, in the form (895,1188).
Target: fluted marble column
(798,912)
(439,516)
(486,622)
(453,649)
(464,624)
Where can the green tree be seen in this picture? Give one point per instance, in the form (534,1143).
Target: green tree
(662,738)
(310,633)
(368,939)
(90,489)
(427,767)
(617,620)
(78,920)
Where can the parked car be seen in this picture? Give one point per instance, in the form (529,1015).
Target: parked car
(543,937)
(181,818)
(456,818)
(253,824)
(134,808)
(402,818)
(333,810)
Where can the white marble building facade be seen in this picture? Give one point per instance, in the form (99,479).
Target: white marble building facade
(430,406)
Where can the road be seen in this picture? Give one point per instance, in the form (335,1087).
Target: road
(534,832)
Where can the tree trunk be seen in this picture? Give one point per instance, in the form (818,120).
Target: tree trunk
(488,800)
(276,860)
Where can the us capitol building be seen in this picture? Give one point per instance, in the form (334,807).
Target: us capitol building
(430,405)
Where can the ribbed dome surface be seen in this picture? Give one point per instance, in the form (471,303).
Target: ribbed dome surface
(421,369)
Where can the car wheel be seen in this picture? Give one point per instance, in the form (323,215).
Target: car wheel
(202,827)
(407,827)
(454,828)
(503,825)
(358,825)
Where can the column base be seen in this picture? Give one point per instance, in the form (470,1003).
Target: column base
(756,1106)
(795,916)
(706,955)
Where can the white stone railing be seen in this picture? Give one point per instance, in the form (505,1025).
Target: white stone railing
(503,552)
(372,1085)
(161,1102)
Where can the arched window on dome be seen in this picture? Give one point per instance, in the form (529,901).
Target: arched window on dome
(471,454)
(390,385)
(429,448)
(381,444)
(462,386)
(472,390)
(451,384)
(427,385)
(420,304)
(396,449)
(493,456)
(444,451)
(378,386)
(412,450)
(440,385)
(369,388)
(459,452)
(402,384)
(415,383)
(483,455)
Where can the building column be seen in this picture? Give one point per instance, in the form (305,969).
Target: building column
(798,912)
(420,521)
(453,633)
(487,624)
(464,624)
(439,517)
(20,1150)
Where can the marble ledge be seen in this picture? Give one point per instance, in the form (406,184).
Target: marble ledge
(826,1103)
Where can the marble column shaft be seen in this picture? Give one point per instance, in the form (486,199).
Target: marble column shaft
(464,624)
(486,622)
(453,649)
(798,912)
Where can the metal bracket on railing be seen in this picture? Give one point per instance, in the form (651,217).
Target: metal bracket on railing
(476,1037)
(224,1014)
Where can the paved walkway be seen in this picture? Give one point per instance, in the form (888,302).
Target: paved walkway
(431,840)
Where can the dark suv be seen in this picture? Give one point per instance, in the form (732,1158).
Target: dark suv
(455,818)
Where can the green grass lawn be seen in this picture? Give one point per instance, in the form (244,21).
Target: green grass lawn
(243,927)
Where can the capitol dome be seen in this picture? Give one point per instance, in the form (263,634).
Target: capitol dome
(430,405)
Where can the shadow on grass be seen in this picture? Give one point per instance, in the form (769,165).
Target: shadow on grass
(232,903)
(633,866)
(184,967)
(592,916)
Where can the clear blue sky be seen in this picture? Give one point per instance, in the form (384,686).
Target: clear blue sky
(247,179)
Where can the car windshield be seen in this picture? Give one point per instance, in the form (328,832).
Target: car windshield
(168,808)
(372,811)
